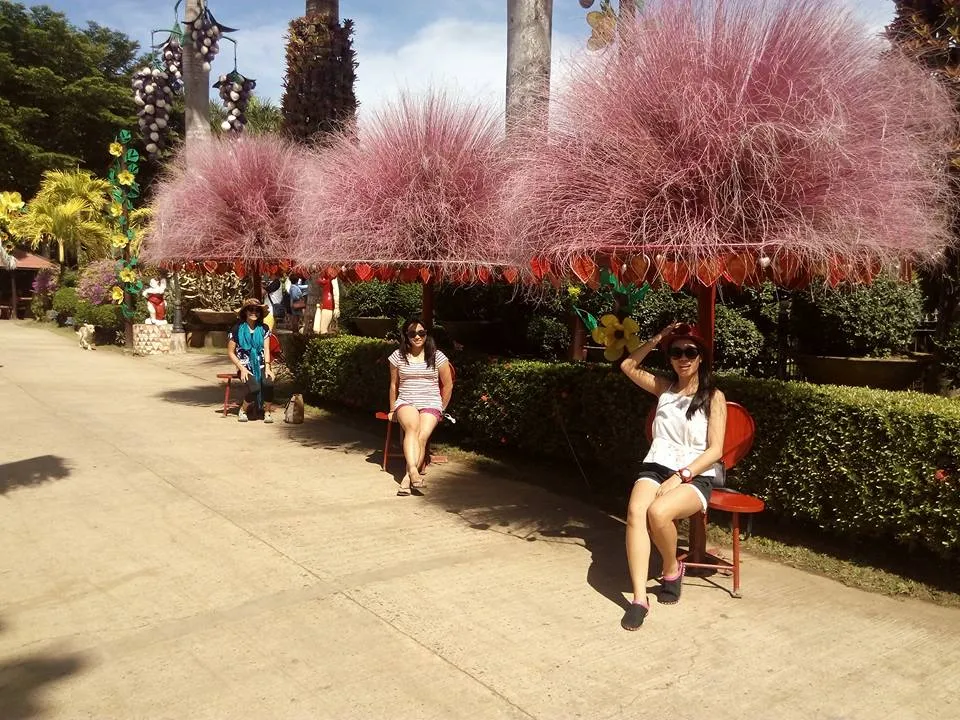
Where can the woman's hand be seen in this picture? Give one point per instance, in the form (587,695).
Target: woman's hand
(270,374)
(668,330)
(244,374)
(390,415)
(671,483)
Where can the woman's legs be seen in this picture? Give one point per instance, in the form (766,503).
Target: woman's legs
(638,541)
(409,418)
(428,422)
(681,502)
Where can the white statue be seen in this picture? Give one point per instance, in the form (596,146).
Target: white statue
(156,305)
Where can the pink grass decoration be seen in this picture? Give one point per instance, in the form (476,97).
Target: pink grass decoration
(718,127)
(420,189)
(234,203)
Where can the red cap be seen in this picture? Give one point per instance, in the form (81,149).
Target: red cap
(683,331)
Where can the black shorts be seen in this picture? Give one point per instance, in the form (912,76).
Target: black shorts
(657,473)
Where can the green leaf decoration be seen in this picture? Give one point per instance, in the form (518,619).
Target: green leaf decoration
(117,194)
(133,167)
(112,175)
(588,320)
(120,265)
(130,234)
(124,137)
(132,156)
(134,191)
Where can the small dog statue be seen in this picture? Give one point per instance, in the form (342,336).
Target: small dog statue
(85,333)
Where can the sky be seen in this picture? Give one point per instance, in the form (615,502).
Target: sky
(400,44)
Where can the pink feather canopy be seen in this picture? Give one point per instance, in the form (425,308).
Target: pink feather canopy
(420,189)
(227,200)
(760,129)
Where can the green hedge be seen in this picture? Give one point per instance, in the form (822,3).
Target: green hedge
(861,464)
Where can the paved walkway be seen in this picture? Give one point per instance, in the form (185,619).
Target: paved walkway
(160,561)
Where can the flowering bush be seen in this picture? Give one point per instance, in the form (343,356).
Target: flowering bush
(44,283)
(96,280)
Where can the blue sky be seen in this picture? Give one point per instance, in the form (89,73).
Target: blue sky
(401,44)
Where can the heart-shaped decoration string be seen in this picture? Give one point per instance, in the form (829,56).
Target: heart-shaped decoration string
(709,270)
(739,269)
(585,269)
(408,274)
(425,275)
(637,268)
(484,275)
(675,274)
(239,268)
(364,272)
(284,266)
(510,275)
(210,266)
(385,273)
(539,267)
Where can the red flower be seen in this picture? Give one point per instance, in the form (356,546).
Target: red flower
(485,398)
(941,475)
(503,441)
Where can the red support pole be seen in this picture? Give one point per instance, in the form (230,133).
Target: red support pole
(706,313)
(426,312)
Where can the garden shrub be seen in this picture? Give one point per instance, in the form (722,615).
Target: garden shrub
(865,465)
(870,320)
(96,281)
(65,301)
(380,299)
(102,316)
(547,338)
(950,355)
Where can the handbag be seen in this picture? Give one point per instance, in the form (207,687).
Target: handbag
(293,412)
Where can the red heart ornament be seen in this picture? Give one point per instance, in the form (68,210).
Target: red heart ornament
(637,269)
(510,275)
(674,274)
(408,274)
(285,265)
(584,268)
(210,266)
(709,270)
(738,268)
(364,272)
(239,268)
(425,275)
(484,275)
(785,269)
(540,267)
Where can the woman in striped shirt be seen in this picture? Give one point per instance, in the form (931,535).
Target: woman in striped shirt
(420,388)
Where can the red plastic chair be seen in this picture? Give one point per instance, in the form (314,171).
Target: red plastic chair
(387,454)
(737,441)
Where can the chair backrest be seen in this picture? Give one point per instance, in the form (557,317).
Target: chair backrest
(738,438)
(453,375)
(276,349)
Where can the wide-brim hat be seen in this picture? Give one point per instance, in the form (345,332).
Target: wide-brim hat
(684,331)
(251,303)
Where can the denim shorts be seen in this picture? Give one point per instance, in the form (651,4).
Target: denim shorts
(656,473)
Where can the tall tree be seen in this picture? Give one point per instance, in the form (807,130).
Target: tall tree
(319,96)
(63,93)
(929,31)
(529,30)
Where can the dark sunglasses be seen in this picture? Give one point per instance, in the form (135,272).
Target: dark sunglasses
(689,352)
(416,333)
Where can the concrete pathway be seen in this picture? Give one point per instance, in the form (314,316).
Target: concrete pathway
(160,561)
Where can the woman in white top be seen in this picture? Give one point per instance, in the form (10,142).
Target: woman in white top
(418,371)
(677,473)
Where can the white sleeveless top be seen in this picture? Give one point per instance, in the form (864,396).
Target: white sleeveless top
(677,442)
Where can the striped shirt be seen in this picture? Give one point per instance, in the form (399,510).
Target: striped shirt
(419,385)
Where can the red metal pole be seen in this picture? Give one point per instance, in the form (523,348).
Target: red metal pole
(706,313)
(426,311)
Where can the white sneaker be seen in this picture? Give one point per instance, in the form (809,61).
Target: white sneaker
(267,418)
(242,416)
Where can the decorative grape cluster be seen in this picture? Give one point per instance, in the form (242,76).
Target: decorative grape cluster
(153,94)
(205,34)
(172,54)
(235,91)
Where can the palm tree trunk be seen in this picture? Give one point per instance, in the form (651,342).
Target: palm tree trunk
(196,88)
(330,9)
(529,29)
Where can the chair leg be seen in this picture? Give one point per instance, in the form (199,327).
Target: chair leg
(386,445)
(735,522)
(226,396)
(698,537)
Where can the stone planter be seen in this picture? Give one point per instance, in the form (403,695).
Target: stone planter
(215,318)
(375,327)
(151,339)
(894,373)
(207,338)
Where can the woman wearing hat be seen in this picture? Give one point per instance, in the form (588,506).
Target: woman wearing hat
(249,350)
(676,475)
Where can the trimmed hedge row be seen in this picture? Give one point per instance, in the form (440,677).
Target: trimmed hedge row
(861,464)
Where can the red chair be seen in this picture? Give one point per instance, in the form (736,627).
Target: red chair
(229,378)
(390,423)
(737,441)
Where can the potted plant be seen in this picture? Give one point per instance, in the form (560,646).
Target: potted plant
(473,315)
(375,309)
(859,335)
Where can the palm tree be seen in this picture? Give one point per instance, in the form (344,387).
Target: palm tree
(68,210)
(263,117)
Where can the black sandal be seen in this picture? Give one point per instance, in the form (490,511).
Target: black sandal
(670,589)
(634,616)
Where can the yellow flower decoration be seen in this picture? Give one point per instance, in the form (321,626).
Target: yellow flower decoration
(127,275)
(10,203)
(125,177)
(119,241)
(615,336)
(574,292)
(117,294)
(116,209)
(116,149)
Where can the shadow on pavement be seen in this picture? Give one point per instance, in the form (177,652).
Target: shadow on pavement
(205,395)
(22,681)
(32,471)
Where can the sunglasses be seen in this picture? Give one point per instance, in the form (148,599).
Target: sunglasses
(689,352)
(416,333)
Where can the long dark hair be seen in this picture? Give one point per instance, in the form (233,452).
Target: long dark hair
(429,344)
(705,384)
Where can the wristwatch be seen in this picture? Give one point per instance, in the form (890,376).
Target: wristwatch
(685,474)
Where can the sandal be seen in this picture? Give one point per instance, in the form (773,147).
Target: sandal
(670,589)
(634,616)
(403,492)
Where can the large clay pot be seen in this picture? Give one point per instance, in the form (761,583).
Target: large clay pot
(894,373)
(215,318)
